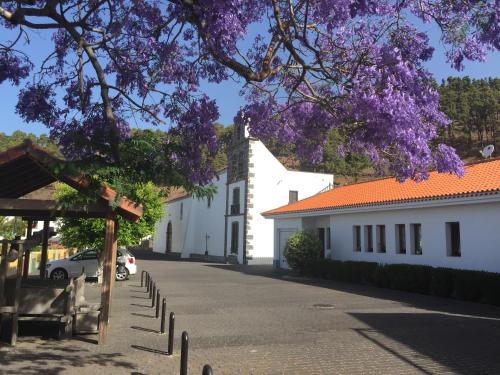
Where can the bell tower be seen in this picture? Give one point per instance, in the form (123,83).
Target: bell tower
(238,154)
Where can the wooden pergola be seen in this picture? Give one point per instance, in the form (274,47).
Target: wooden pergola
(27,168)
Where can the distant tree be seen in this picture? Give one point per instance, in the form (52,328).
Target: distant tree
(11,227)
(89,233)
(18,136)
(473,105)
(224,137)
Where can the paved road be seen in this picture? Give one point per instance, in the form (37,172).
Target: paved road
(249,320)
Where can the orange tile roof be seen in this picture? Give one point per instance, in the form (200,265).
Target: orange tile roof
(482,177)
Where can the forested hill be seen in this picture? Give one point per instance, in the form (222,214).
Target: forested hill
(472,105)
(474,108)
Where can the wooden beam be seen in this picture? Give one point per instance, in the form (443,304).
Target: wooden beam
(27,252)
(109,271)
(45,248)
(4,267)
(14,327)
(49,209)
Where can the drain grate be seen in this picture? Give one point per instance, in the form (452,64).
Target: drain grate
(323,306)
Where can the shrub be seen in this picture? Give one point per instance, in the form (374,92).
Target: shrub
(410,278)
(444,282)
(302,251)
(441,282)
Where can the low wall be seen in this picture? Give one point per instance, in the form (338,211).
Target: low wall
(35,257)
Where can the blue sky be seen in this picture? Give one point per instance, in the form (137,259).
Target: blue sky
(227,93)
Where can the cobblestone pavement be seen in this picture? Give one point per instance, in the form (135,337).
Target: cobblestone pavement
(249,320)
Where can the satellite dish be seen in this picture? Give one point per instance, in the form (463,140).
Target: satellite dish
(487,151)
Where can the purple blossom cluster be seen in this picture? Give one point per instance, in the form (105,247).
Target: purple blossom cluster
(12,67)
(351,65)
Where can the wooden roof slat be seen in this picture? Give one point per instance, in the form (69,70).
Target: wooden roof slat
(48,209)
(26,168)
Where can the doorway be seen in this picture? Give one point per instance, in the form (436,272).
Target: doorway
(169,237)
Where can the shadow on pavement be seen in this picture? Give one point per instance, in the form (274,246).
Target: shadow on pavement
(54,359)
(466,345)
(422,301)
(142,315)
(136,304)
(149,350)
(144,329)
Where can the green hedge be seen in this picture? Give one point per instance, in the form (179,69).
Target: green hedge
(466,285)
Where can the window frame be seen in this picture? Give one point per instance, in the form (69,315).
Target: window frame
(400,237)
(416,248)
(368,229)
(328,235)
(450,249)
(379,229)
(356,237)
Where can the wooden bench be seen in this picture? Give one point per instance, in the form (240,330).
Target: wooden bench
(58,301)
(46,301)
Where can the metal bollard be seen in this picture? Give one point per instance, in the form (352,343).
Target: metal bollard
(171,323)
(157,303)
(207,370)
(163,312)
(154,296)
(142,278)
(151,285)
(184,353)
(147,281)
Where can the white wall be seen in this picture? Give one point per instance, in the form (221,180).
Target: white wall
(479,235)
(189,234)
(269,186)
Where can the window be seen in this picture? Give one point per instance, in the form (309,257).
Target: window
(356,231)
(321,236)
(400,239)
(369,238)
(234,237)
(328,238)
(169,237)
(381,239)
(90,254)
(235,206)
(453,239)
(293,196)
(182,210)
(416,238)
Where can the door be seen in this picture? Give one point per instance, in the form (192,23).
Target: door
(284,235)
(321,235)
(169,237)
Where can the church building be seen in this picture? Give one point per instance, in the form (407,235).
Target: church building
(230,227)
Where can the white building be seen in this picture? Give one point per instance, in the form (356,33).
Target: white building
(445,221)
(230,226)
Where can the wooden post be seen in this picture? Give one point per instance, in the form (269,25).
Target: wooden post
(45,248)
(109,270)
(4,266)
(14,327)
(27,252)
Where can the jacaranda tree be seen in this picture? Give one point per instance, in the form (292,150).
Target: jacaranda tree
(307,66)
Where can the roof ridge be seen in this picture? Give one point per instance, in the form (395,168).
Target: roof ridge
(481,176)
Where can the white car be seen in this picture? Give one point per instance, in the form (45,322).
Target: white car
(86,261)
